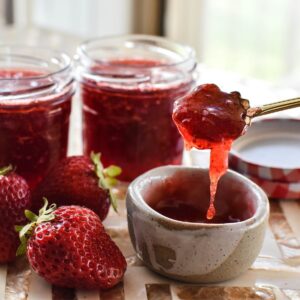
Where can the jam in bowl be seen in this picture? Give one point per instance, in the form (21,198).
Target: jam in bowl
(168,227)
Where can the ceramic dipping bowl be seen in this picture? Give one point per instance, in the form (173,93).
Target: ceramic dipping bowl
(196,252)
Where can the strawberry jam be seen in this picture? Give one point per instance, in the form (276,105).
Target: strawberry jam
(184,196)
(34,122)
(211,119)
(128,88)
(132,128)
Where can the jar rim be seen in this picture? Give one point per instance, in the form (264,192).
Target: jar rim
(33,72)
(82,49)
(18,50)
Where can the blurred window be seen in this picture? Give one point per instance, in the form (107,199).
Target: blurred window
(258,38)
(85,18)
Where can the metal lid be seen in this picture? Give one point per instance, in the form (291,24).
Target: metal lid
(269,150)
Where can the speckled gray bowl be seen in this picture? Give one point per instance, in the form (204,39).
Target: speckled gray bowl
(196,252)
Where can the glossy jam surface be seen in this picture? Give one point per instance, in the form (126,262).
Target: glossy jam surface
(185,197)
(211,119)
(33,134)
(131,125)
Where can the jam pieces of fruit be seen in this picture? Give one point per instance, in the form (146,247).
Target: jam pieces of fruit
(211,119)
(131,125)
(33,130)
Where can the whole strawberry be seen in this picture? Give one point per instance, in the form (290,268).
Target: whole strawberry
(79,180)
(70,248)
(14,199)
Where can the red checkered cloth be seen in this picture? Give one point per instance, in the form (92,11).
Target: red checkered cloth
(263,172)
(277,189)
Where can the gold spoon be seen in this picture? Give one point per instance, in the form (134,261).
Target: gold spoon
(268,108)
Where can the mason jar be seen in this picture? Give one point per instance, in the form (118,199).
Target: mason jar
(128,86)
(36,88)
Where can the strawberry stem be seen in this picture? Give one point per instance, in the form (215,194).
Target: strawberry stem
(5,170)
(45,215)
(107,177)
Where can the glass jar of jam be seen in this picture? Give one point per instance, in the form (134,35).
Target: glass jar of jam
(36,88)
(128,87)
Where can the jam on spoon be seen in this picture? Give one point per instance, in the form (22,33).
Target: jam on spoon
(211,119)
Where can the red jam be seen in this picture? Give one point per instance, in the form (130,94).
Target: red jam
(33,133)
(131,126)
(174,209)
(211,119)
(184,197)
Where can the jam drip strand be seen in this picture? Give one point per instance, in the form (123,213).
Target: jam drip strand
(218,167)
(208,118)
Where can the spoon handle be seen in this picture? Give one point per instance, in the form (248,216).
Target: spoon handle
(273,107)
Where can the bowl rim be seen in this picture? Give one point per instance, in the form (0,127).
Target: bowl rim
(133,194)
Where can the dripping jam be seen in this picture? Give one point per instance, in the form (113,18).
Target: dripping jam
(211,119)
(184,196)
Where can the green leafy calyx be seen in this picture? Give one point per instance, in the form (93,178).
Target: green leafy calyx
(45,214)
(5,170)
(107,177)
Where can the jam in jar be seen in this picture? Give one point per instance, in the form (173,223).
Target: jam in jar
(128,88)
(36,88)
